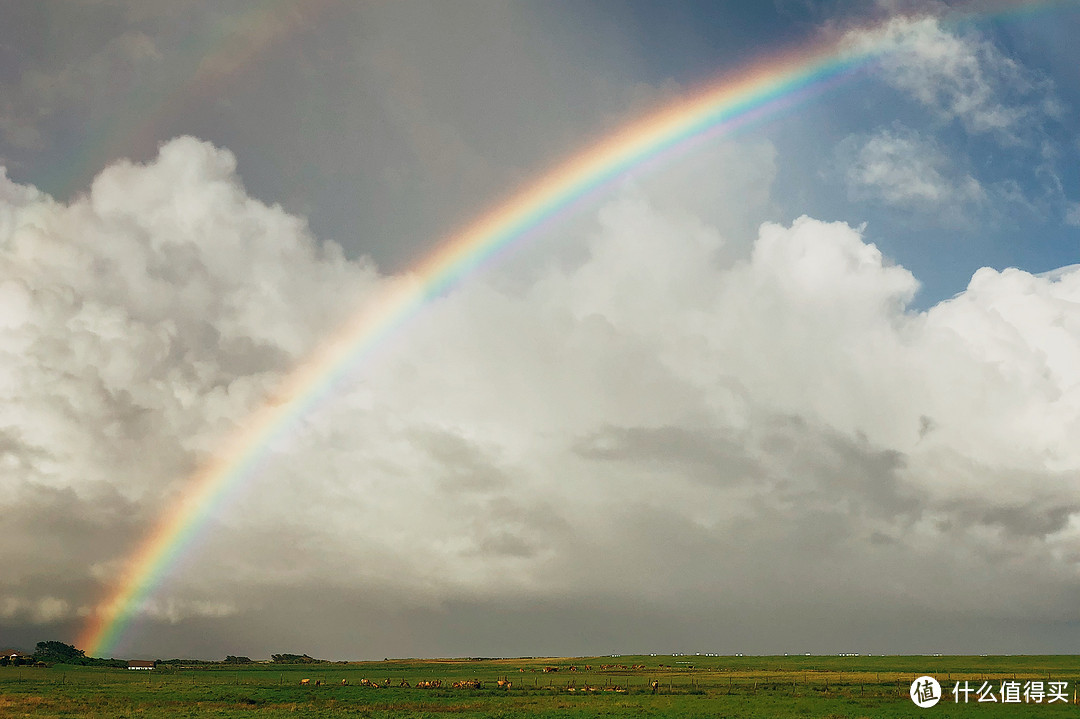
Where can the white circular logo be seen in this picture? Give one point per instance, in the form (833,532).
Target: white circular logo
(925,692)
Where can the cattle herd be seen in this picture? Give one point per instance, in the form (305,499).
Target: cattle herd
(424,684)
(503,683)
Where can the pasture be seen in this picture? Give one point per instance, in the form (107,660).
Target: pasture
(685,686)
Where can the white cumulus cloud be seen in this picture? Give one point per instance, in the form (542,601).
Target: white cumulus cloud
(656,423)
(901,167)
(961,77)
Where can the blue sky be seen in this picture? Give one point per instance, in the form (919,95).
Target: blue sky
(691,41)
(740,400)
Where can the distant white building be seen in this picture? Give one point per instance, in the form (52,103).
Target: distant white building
(136,664)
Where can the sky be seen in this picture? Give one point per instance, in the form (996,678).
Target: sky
(811,386)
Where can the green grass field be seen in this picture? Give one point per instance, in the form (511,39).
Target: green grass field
(689,686)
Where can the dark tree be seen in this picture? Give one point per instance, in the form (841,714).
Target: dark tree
(293,658)
(58,653)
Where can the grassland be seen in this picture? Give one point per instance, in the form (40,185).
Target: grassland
(689,686)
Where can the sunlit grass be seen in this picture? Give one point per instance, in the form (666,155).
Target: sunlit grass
(699,687)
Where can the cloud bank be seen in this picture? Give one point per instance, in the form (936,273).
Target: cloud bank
(961,77)
(664,440)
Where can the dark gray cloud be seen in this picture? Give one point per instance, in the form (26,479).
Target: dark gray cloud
(347,113)
(784,455)
(709,458)
(464,466)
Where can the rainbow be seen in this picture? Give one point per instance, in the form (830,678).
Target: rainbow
(756,94)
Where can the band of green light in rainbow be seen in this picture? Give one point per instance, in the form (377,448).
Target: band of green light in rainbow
(758,94)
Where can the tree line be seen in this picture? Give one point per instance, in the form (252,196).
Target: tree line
(55,652)
(52,652)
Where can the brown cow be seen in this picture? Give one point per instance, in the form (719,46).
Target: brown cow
(467,684)
(305,682)
(344,682)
